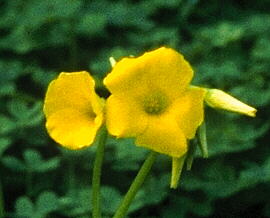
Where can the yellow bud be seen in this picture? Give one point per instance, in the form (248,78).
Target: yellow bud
(112,61)
(219,99)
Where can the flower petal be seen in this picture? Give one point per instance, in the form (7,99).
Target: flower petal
(189,110)
(73,111)
(162,69)
(163,135)
(72,128)
(124,118)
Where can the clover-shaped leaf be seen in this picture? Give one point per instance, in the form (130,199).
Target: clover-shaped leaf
(46,203)
(4,144)
(34,161)
(24,207)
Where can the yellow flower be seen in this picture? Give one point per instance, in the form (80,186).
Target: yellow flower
(151,100)
(73,111)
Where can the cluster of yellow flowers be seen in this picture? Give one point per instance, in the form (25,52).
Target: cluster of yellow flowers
(151,100)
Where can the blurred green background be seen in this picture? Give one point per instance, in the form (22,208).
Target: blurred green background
(228,45)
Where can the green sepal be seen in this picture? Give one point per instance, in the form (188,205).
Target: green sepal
(190,154)
(177,166)
(202,141)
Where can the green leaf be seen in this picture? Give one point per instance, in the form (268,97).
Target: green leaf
(148,194)
(92,24)
(7,89)
(231,137)
(26,116)
(47,202)
(219,71)
(219,181)
(19,40)
(18,109)
(4,144)
(6,125)
(13,163)
(257,24)
(76,202)
(10,71)
(221,34)
(261,51)
(125,149)
(32,158)
(110,199)
(24,207)
(250,177)
(48,165)
(34,161)
(42,77)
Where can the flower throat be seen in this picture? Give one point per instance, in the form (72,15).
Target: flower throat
(155,103)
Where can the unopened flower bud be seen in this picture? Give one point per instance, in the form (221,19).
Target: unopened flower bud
(219,99)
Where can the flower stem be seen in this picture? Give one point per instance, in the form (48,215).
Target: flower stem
(97,173)
(135,186)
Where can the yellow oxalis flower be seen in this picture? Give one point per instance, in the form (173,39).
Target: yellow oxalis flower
(151,100)
(73,111)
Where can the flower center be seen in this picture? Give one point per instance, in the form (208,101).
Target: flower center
(155,103)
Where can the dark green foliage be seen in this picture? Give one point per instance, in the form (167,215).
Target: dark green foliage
(228,45)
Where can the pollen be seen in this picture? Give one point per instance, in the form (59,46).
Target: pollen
(155,103)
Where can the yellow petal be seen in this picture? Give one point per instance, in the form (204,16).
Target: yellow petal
(218,99)
(163,135)
(189,110)
(72,128)
(162,69)
(124,116)
(73,111)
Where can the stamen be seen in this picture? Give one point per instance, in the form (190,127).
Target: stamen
(155,103)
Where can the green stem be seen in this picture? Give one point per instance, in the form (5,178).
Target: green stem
(97,173)
(135,186)
(2,207)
